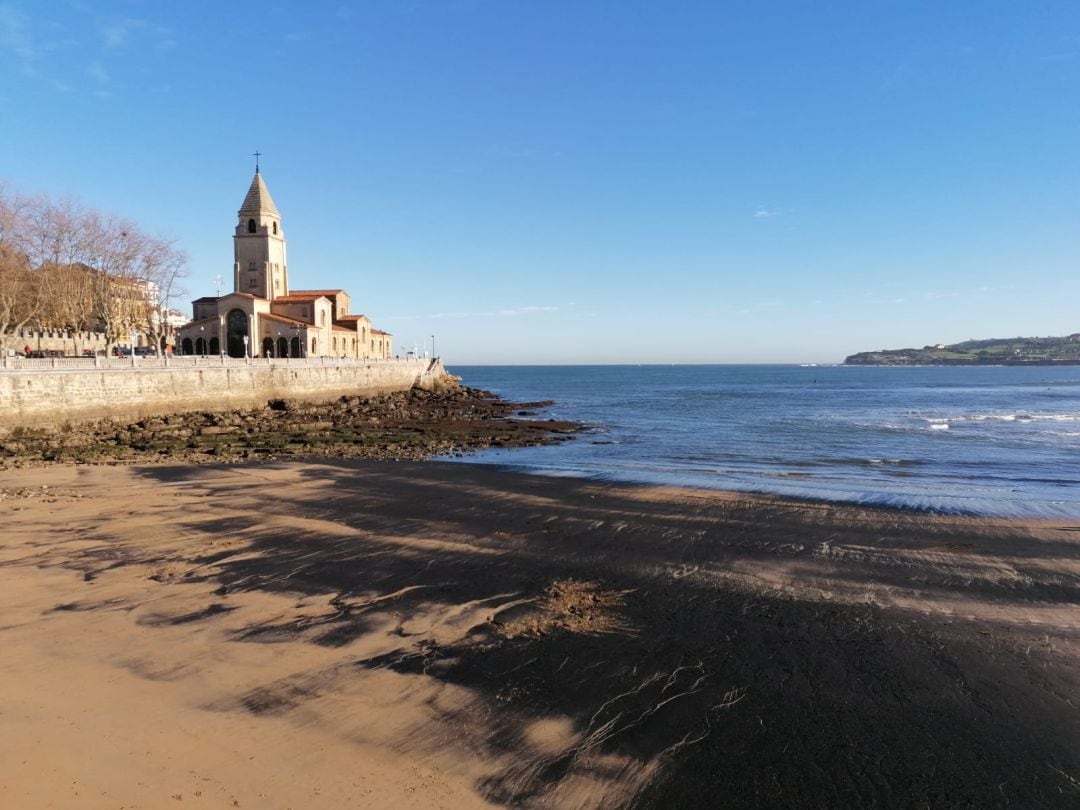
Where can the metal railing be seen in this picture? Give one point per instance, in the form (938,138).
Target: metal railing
(18,363)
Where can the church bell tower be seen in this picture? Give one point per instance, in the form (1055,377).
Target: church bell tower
(259,245)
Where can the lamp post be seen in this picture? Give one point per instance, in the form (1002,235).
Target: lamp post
(247,354)
(433,355)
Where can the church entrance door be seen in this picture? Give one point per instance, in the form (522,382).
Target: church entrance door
(237,331)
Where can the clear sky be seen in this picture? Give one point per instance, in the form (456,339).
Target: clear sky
(568,182)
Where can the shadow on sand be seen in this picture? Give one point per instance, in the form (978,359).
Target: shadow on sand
(723,653)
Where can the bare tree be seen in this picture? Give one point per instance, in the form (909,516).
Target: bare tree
(63,265)
(20,294)
(69,299)
(136,275)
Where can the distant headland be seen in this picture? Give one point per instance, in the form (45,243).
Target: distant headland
(1018,351)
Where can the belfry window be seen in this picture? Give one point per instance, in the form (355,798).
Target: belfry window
(275,228)
(251,226)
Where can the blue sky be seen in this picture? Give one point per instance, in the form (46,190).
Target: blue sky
(565,182)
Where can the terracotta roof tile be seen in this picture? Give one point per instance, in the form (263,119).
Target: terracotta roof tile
(273,317)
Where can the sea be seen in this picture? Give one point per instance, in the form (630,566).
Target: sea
(986,440)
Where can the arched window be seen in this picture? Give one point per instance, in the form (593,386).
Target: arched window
(275,228)
(314,345)
(237,322)
(282,347)
(251,226)
(252,266)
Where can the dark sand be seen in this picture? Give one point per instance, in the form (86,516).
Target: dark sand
(378,634)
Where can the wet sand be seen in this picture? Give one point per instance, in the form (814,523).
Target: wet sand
(378,634)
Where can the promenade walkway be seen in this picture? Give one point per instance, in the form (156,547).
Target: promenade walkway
(53,364)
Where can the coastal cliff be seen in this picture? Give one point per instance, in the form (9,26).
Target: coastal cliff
(1019,351)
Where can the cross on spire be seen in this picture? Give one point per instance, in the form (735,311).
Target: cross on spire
(257,154)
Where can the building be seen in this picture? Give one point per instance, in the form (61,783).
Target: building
(262,316)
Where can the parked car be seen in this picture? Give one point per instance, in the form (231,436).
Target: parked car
(145,351)
(121,351)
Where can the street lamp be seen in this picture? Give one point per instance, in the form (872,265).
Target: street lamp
(246,353)
(433,355)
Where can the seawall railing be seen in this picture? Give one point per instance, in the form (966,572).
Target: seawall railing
(194,361)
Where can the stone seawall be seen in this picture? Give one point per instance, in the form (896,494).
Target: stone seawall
(36,398)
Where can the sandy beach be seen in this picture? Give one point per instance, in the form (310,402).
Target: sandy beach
(332,634)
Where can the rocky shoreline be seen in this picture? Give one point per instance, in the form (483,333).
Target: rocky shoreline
(407,425)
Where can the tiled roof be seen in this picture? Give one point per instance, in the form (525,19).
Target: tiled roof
(379,332)
(299,297)
(258,200)
(291,321)
(190,324)
(317,292)
(353,317)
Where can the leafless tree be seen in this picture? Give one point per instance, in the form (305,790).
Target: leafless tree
(66,266)
(20,294)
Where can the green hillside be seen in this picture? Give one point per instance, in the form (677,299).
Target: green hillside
(1018,351)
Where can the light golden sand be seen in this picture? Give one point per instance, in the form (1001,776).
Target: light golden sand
(331,635)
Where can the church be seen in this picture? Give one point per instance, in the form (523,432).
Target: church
(262,317)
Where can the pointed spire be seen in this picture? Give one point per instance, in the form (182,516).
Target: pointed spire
(258,199)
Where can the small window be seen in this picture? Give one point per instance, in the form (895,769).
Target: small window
(251,226)
(253,283)
(252,266)
(275,228)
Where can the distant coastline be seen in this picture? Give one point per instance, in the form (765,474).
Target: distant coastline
(1018,351)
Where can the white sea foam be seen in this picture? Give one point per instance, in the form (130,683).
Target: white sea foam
(1006,417)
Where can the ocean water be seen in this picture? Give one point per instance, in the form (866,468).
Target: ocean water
(1000,441)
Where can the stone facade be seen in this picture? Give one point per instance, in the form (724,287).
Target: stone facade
(263,317)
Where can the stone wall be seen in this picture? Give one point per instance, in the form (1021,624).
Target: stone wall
(70,343)
(35,398)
